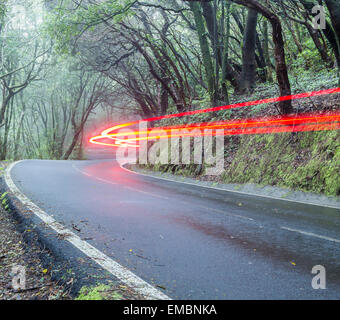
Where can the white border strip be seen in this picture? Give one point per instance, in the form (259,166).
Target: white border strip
(226,190)
(123,274)
(311,234)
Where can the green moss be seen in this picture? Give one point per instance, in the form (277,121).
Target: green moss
(305,161)
(308,161)
(101,292)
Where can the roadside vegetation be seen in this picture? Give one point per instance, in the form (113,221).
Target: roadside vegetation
(69,67)
(108,292)
(304,161)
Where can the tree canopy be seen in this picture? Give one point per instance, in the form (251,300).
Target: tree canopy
(64,63)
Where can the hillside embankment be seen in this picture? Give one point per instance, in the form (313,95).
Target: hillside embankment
(307,161)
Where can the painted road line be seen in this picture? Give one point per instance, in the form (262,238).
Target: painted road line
(312,234)
(159,196)
(92,176)
(284,228)
(120,272)
(126,187)
(228,214)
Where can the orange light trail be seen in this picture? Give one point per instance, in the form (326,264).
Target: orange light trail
(284,126)
(304,122)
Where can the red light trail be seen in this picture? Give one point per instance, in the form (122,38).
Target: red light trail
(264,125)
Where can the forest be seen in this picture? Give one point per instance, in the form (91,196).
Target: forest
(68,66)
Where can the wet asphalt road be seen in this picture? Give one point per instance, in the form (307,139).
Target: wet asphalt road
(192,242)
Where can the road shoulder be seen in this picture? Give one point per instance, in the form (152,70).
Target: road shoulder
(15,252)
(248,189)
(54,270)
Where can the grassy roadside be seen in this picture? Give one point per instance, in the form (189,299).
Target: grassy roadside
(308,161)
(108,292)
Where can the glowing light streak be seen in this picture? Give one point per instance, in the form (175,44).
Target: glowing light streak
(305,122)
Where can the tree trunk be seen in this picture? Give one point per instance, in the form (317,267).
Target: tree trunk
(323,52)
(18,134)
(279,54)
(295,38)
(329,32)
(334,11)
(80,152)
(73,144)
(269,70)
(204,45)
(225,50)
(247,79)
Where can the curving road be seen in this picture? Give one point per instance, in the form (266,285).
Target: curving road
(192,242)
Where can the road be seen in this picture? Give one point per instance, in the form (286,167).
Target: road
(193,242)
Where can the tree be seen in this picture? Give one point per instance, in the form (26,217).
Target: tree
(205,51)
(20,67)
(247,79)
(87,94)
(334,11)
(280,59)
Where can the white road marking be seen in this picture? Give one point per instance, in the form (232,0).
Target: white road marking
(92,176)
(148,193)
(284,228)
(126,187)
(312,234)
(227,213)
(120,272)
(206,208)
(228,190)
(155,195)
